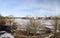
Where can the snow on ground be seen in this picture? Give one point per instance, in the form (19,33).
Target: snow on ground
(6,35)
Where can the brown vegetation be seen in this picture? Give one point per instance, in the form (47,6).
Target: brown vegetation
(57,35)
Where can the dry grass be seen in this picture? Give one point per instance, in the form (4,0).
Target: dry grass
(19,35)
(29,37)
(57,35)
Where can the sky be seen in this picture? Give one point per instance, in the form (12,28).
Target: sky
(30,7)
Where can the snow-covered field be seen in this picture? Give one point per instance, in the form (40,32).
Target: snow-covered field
(47,23)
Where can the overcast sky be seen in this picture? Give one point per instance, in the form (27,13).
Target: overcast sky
(30,7)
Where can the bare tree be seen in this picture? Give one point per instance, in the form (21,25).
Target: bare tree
(55,24)
(33,25)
